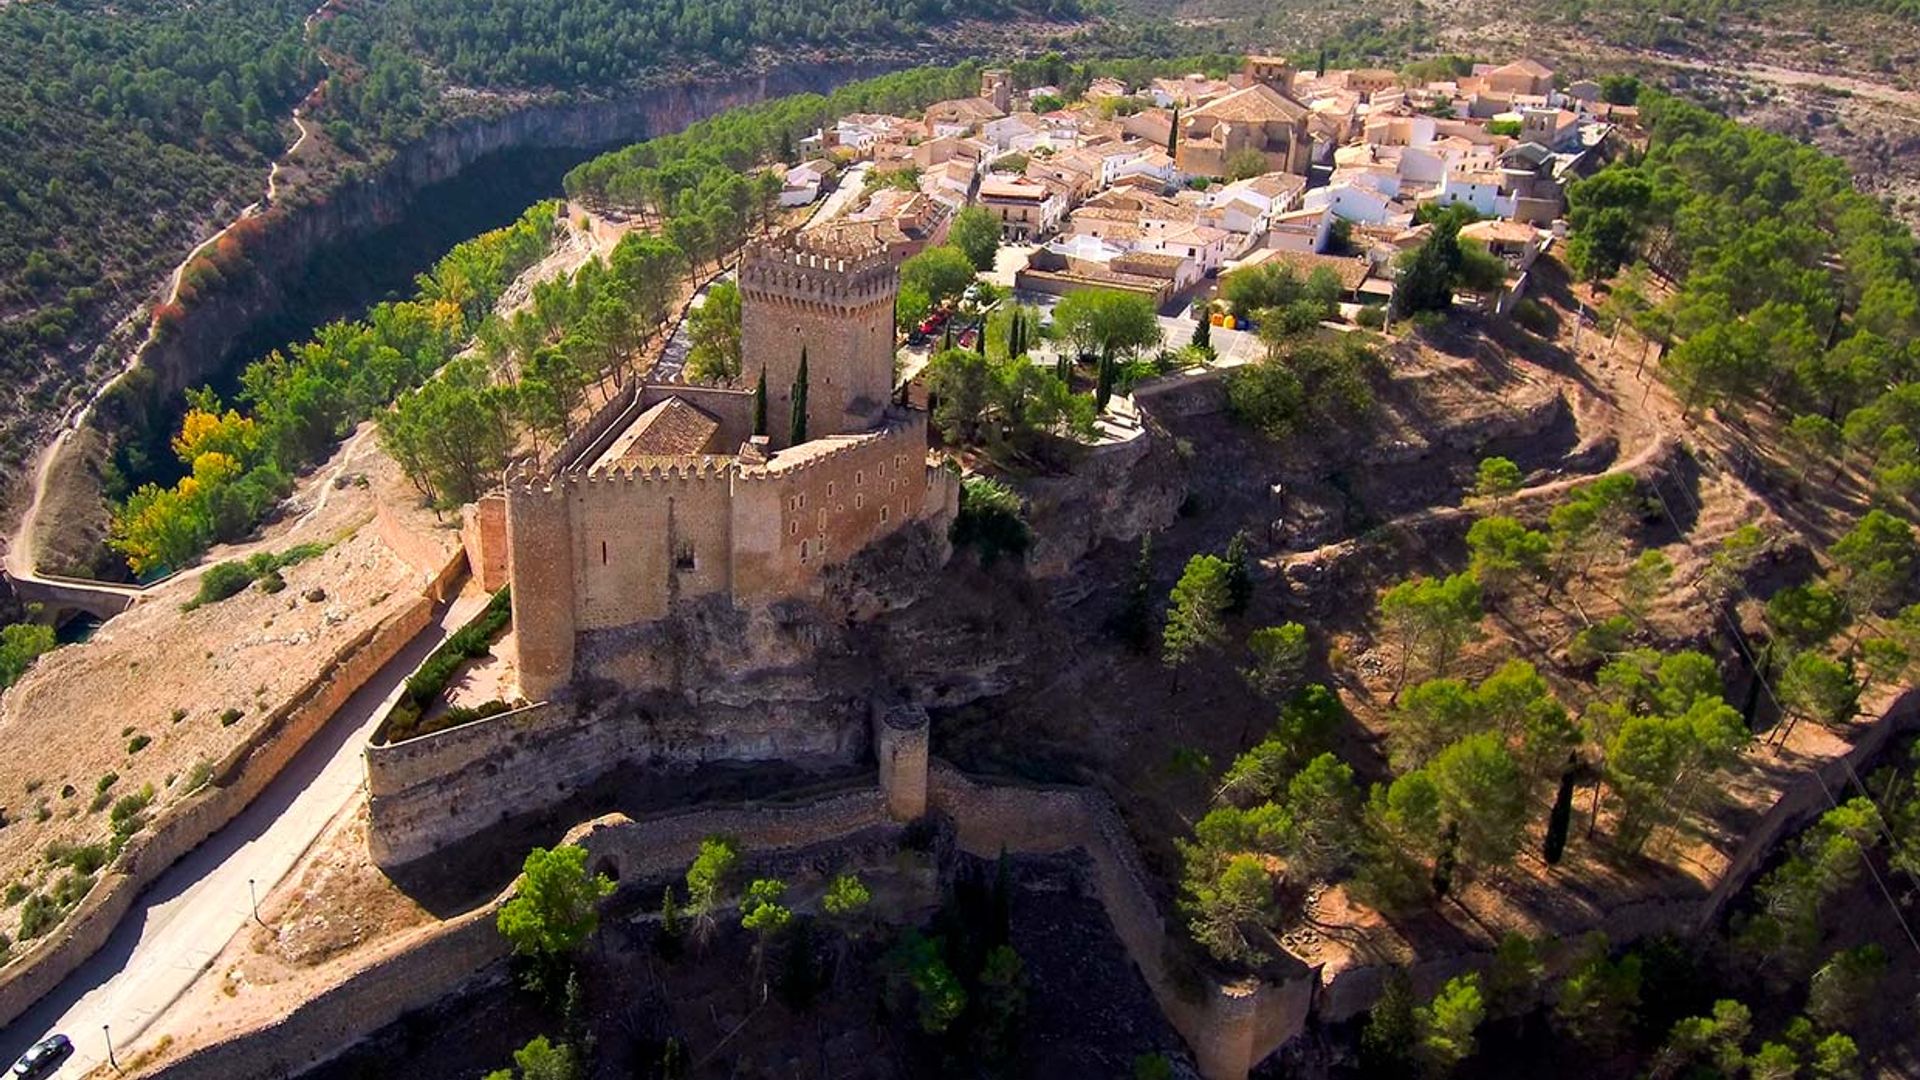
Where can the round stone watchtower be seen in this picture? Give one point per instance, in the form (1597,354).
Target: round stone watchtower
(813,294)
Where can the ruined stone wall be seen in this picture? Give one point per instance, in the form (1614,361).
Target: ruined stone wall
(237,780)
(436,790)
(436,560)
(1229,1028)
(483,533)
(823,504)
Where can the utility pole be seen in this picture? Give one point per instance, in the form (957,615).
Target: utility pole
(254,895)
(107,1033)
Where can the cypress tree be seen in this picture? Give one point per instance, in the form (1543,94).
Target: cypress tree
(672,925)
(1173,133)
(1444,863)
(980,339)
(1134,622)
(760,405)
(1203,333)
(946,337)
(1103,389)
(1320,69)
(798,433)
(1239,577)
(1560,820)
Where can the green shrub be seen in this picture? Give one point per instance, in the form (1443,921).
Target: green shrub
(1536,317)
(425,685)
(197,776)
(230,717)
(220,581)
(15,893)
(991,519)
(226,579)
(37,916)
(1372,316)
(80,858)
(138,743)
(71,889)
(106,782)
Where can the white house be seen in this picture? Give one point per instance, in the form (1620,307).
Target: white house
(1301,230)
(1478,188)
(1204,244)
(1019,133)
(1352,200)
(802,183)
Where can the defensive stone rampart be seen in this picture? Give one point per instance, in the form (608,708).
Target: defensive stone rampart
(237,779)
(439,964)
(1229,1027)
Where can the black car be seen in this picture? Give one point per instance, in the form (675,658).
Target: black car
(42,1059)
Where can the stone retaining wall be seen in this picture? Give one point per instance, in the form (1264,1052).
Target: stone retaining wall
(439,965)
(237,779)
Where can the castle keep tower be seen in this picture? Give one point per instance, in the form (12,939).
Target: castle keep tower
(835,301)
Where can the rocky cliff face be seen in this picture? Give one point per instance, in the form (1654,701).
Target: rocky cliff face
(1121,491)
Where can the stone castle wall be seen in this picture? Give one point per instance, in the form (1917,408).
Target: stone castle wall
(483,533)
(614,548)
(823,504)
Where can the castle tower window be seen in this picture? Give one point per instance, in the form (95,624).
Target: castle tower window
(793,528)
(859,477)
(829,489)
(859,501)
(883,513)
(603,553)
(683,557)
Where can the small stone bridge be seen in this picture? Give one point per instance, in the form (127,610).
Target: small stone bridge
(61,597)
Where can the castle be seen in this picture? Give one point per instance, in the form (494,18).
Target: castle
(669,493)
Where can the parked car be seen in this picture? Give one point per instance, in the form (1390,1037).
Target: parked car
(42,1058)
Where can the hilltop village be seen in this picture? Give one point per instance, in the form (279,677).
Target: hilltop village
(1271,545)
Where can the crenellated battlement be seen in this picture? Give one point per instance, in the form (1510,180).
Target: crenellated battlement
(818,274)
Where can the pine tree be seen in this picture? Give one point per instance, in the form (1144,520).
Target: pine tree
(1239,578)
(1203,334)
(760,405)
(798,431)
(1559,820)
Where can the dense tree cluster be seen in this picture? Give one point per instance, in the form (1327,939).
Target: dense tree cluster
(120,131)
(594,44)
(240,465)
(1797,293)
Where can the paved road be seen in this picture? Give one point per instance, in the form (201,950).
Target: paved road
(181,923)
